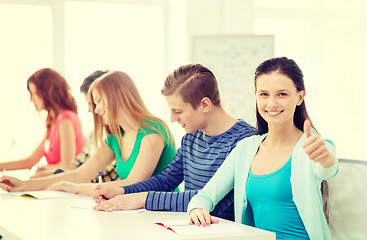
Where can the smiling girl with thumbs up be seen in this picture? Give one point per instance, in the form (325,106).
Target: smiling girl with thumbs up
(276,175)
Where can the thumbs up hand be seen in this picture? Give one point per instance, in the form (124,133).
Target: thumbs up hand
(315,147)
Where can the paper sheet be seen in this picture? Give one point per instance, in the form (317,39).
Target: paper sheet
(89,203)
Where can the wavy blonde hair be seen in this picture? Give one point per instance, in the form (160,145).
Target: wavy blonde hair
(122,95)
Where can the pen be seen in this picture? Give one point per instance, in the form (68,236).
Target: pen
(100,180)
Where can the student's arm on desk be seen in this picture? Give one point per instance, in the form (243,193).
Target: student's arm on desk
(123,202)
(81,174)
(150,151)
(28,162)
(170,201)
(113,198)
(165,182)
(155,183)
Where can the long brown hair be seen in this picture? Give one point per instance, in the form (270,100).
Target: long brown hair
(121,94)
(289,68)
(54,91)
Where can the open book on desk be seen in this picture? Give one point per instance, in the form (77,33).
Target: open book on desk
(42,194)
(181,227)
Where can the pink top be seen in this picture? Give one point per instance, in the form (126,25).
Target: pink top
(51,146)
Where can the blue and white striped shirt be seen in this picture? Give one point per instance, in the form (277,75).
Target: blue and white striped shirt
(195,163)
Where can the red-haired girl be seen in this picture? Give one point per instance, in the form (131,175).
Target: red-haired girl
(64,139)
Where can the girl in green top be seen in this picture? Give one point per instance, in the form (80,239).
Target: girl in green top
(141,143)
(123,168)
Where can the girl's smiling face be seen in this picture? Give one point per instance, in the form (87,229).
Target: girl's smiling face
(277,98)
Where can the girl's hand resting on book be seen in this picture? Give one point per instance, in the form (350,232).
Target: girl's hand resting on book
(199,216)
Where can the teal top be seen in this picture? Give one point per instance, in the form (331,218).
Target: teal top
(271,200)
(123,168)
(306,177)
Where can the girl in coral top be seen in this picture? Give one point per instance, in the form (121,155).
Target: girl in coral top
(64,139)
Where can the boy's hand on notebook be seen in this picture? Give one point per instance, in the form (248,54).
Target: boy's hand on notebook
(123,202)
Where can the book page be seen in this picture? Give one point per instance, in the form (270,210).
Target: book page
(183,228)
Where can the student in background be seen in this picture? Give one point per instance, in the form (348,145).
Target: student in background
(64,139)
(140,142)
(193,97)
(277,175)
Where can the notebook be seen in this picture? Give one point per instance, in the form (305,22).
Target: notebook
(42,194)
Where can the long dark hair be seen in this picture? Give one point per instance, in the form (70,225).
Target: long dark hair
(289,68)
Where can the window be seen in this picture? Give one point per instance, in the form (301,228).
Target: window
(76,38)
(26,46)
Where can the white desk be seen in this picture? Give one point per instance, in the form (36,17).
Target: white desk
(27,218)
(46,219)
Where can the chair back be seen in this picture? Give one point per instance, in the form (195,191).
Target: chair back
(348,201)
